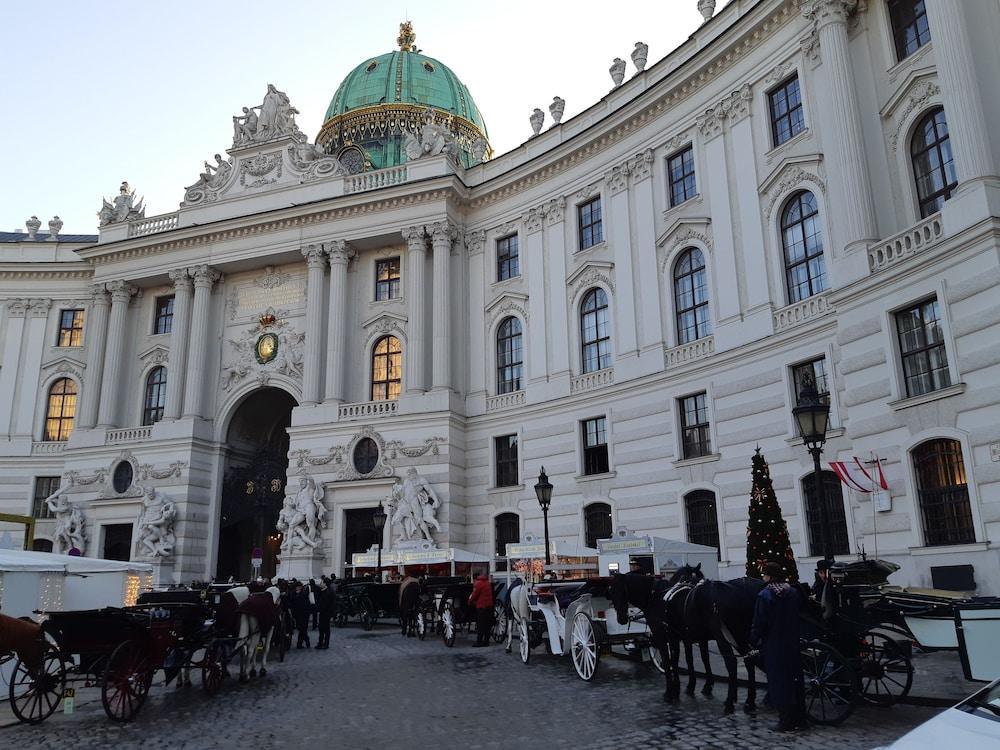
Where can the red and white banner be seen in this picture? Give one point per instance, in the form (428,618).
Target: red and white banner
(854,474)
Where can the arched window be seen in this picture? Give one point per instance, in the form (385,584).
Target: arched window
(156,395)
(595,333)
(510,358)
(691,296)
(943,493)
(702,519)
(802,241)
(387,368)
(933,165)
(60,410)
(597,523)
(833,496)
(507,527)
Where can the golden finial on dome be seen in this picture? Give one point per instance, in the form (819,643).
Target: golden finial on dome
(406,37)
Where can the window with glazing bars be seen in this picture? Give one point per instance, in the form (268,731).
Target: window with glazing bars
(60,410)
(505,459)
(702,519)
(691,297)
(695,426)
(387,369)
(510,359)
(943,493)
(910,29)
(595,445)
(590,224)
(387,279)
(507,529)
(70,328)
(787,116)
(508,261)
(922,349)
(595,331)
(597,523)
(816,370)
(802,243)
(680,170)
(163,317)
(833,498)
(933,164)
(44,488)
(156,395)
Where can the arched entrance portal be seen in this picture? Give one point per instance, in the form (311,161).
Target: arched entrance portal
(253,485)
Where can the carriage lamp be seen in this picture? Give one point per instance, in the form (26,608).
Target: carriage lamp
(378,521)
(543,491)
(813,418)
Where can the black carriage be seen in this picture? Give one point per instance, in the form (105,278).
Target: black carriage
(356,600)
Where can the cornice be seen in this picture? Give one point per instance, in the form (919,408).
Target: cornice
(36,271)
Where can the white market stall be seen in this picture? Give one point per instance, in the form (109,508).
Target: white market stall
(655,555)
(430,561)
(567,561)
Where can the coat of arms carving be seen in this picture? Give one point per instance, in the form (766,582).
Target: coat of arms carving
(270,346)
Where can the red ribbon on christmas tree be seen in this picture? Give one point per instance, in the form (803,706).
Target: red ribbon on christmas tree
(767,533)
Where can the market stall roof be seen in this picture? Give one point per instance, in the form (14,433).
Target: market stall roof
(24,560)
(431,556)
(535,549)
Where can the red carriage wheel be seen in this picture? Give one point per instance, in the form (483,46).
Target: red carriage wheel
(127,678)
(213,669)
(35,692)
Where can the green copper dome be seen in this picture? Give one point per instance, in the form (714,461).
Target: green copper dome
(387,96)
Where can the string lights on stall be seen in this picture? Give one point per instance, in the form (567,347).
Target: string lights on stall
(50,592)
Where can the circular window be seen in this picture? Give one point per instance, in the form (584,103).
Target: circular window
(365,455)
(121,478)
(428,67)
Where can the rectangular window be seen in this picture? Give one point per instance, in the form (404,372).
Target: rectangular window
(694,426)
(910,30)
(816,369)
(591,225)
(387,279)
(163,319)
(505,457)
(787,117)
(680,168)
(595,446)
(921,346)
(70,328)
(508,262)
(44,488)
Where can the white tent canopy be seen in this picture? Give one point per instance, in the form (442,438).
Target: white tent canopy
(23,560)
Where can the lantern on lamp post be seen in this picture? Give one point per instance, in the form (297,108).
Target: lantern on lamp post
(543,491)
(378,521)
(812,416)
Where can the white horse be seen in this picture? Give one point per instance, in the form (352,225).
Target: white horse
(520,614)
(254,642)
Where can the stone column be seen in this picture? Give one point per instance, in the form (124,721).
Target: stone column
(17,309)
(850,169)
(340,255)
(475,326)
(557,334)
(532,242)
(179,332)
(415,356)
(312,369)
(618,228)
(121,295)
(963,106)
(442,234)
(95,338)
(204,279)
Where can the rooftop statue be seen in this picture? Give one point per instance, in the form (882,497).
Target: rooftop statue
(156,524)
(272,119)
(124,208)
(212,179)
(432,140)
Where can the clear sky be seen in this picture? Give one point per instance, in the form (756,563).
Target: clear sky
(98,92)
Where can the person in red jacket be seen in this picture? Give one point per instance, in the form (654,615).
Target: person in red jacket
(482,600)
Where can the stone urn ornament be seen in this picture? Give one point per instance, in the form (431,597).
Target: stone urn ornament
(617,71)
(55,226)
(32,225)
(707,9)
(556,109)
(536,119)
(639,56)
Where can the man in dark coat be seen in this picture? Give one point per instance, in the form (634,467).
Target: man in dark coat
(301,607)
(775,631)
(325,605)
(482,599)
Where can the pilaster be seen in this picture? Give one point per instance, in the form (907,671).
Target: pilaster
(442,234)
(475,242)
(31,363)
(620,240)
(179,334)
(121,295)
(339,254)
(204,278)
(415,356)
(17,309)
(312,367)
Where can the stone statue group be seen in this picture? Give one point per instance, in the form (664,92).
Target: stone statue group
(412,508)
(273,118)
(125,207)
(302,517)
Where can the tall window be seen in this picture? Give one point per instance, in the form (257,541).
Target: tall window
(702,519)
(505,459)
(60,410)
(387,279)
(595,445)
(921,346)
(387,369)
(595,331)
(833,497)
(591,225)
(510,359)
(933,164)
(691,296)
(695,438)
(909,26)
(44,488)
(816,371)
(163,318)
(596,523)
(943,493)
(787,117)
(156,395)
(802,241)
(508,261)
(70,328)
(507,530)
(680,169)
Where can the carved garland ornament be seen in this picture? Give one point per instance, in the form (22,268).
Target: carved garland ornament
(921,94)
(148,471)
(793,179)
(590,277)
(395,447)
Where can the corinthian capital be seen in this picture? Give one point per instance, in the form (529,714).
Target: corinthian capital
(121,291)
(415,238)
(339,251)
(442,233)
(315,255)
(824,12)
(475,241)
(204,276)
(180,277)
(99,294)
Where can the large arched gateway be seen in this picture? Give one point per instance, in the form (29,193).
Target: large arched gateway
(253,484)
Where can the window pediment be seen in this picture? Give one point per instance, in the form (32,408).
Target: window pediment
(64,366)
(591,273)
(157,355)
(792,173)
(385,322)
(918,92)
(507,303)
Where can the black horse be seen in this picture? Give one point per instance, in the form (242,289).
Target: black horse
(646,593)
(680,631)
(409,603)
(725,610)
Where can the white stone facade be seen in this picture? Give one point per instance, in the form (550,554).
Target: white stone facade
(271,231)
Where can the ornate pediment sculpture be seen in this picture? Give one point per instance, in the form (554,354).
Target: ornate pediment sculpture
(433,139)
(125,207)
(272,119)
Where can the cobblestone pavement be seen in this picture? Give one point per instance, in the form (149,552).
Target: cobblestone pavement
(378,690)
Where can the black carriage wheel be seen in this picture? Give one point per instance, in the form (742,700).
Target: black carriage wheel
(829,683)
(279,638)
(213,669)
(657,658)
(366,612)
(500,623)
(35,693)
(340,620)
(127,678)
(885,672)
(448,627)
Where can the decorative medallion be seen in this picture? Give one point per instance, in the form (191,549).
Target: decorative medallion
(266,348)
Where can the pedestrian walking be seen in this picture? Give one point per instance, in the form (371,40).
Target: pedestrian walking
(301,607)
(325,606)
(314,610)
(482,599)
(775,632)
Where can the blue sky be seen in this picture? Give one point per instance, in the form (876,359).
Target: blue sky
(95,93)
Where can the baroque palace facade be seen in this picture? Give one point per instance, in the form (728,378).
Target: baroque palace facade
(631,299)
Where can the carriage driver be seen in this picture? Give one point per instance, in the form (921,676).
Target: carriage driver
(634,566)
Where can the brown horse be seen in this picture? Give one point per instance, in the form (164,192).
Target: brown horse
(409,600)
(24,638)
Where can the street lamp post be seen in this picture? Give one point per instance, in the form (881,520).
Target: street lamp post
(378,521)
(813,418)
(543,491)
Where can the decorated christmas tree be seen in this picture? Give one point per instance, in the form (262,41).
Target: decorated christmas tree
(767,534)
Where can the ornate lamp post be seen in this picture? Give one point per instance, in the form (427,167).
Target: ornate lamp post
(378,521)
(543,491)
(813,418)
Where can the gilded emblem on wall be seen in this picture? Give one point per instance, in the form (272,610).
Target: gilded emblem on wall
(266,348)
